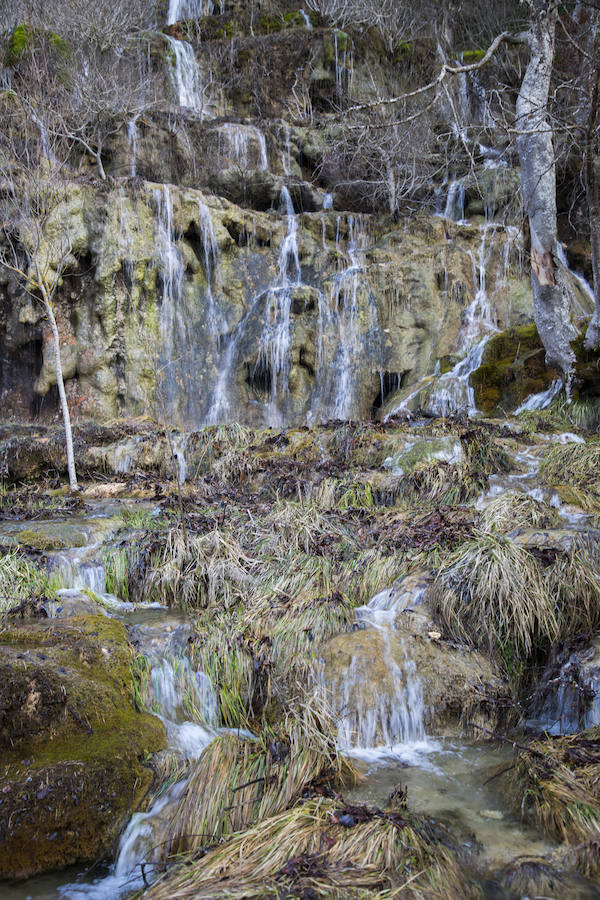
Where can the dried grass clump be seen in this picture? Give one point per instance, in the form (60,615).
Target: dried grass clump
(559,785)
(483,454)
(490,593)
(237,782)
(306,852)
(509,512)
(20,580)
(442,484)
(574,464)
(193,570)
(573,580)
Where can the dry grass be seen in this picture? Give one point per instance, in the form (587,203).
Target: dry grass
(238,782)
(490,593)
(574,464)
(306,852)
(574,581)
(509,512)
(559,785)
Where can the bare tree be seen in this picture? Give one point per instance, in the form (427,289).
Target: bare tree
(37,242)
(538,177)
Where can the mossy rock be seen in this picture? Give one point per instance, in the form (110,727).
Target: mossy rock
(73,749)
(513,366)
(58,537)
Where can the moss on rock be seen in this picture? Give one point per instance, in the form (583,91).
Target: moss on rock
(513,367)
(73,749)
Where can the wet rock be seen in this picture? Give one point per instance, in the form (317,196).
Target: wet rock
(568,697)
(72,747)
(365,671)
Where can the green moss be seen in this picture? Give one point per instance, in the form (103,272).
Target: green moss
(513,367)
(23,37)
(43,540)
(472,56)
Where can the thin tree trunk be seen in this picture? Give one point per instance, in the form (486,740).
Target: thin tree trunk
(592,188)
(61,393)
(551,302)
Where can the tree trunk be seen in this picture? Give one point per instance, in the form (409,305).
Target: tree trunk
(61,393)
(592,189)
(551,302)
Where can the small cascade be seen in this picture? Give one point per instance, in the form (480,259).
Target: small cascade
(541,400)
(182,348)
(189,9)
(571,695)
(242,146)
(186,703)
(343,339)
(455,202)
(185,74)
(307,21)
(453,392)
(275,340)
(584,286)
(132,135)
(381,716)
(215,321)
(179,444)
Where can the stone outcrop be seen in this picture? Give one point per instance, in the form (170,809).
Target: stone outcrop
(73,750)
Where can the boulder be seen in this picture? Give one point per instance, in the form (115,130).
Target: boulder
(73,749)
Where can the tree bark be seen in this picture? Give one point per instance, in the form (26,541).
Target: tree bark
(551,302)
(61,392)
(592,189)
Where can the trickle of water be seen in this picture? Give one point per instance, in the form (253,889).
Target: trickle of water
(541,400)
(244,146)
(132,138)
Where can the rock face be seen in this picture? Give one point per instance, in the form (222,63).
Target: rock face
(196,310)
(237,269)
(72,748)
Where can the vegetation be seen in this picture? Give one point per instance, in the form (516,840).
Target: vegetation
(558,785)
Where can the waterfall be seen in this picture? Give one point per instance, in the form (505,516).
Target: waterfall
(453,392)
(455,202)
(174,323)
(382,717)
(132,139)
(173,691)
(275,340)
(185,74)
(584,285)
(245,146)
(541,400)
(189,9)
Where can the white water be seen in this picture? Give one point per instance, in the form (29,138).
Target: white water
(344,309)
(242,146)
(389,723)
(185,74)
(132,139)
(455,202)
(189,9)
(275,340)
(541,400)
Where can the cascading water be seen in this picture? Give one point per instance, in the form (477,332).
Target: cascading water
(189,9)
(185,74)
(243,146)
(386,717)
(455,202)
(275,340)
(132,135)
(348,327)
(173,692)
